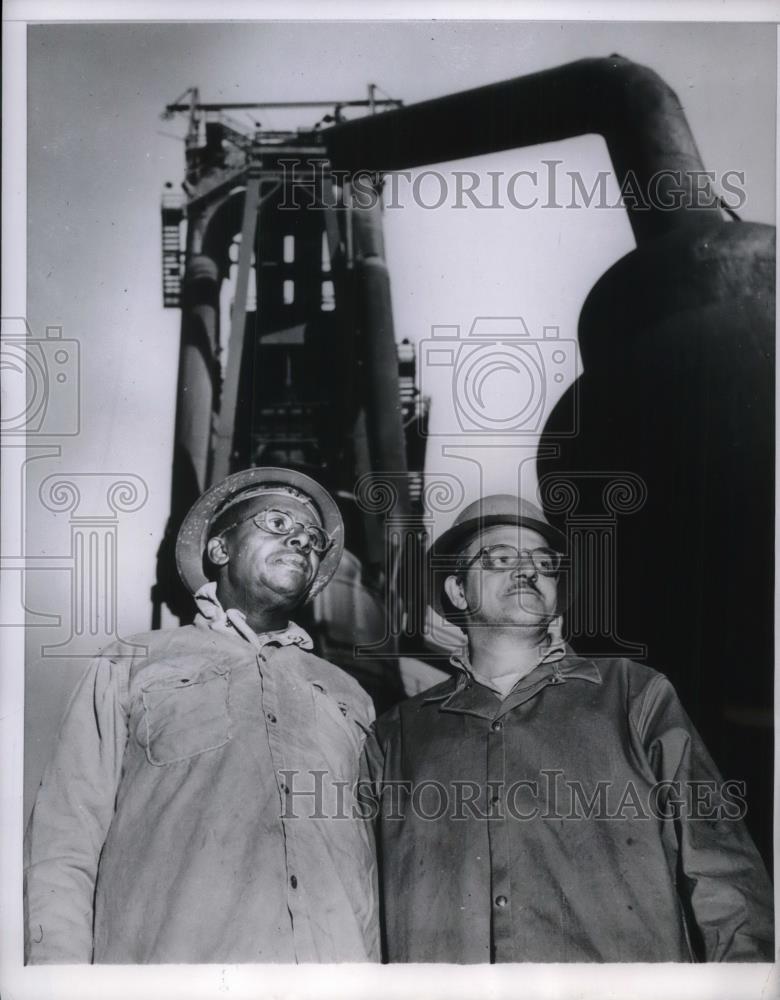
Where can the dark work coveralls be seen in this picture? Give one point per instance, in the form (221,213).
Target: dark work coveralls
(579,819)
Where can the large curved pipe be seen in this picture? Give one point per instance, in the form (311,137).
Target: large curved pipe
(640,117)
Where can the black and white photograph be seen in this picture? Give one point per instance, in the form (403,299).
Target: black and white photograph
(388,481)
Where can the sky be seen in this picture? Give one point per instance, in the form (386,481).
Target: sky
(99,155)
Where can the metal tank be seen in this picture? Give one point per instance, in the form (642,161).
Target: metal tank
(676,399)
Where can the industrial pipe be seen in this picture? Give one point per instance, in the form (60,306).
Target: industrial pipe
(638,114)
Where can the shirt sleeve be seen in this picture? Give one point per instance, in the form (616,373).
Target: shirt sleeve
(369,810)
(70,820)
(373,758)
(723,884)
(368,717)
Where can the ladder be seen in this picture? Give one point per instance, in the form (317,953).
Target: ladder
(172,254)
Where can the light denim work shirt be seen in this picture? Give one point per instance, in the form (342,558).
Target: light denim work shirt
(198,807)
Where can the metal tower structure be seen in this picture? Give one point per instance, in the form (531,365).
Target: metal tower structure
(288,352)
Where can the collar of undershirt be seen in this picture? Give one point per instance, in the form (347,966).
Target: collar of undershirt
(212,615)
(550,656)
(550,651)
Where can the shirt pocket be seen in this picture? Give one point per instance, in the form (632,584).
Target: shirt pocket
(185,716)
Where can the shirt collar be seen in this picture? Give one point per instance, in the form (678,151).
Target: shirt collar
(551,670)
(212,615)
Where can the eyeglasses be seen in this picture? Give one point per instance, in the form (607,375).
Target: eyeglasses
(545,561)
(279,522)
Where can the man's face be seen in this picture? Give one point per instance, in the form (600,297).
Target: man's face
(521,596)
(262,567)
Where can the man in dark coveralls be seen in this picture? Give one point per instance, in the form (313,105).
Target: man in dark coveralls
(544,807)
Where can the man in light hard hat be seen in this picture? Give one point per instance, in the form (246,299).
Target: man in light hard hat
(162,830)
(543,807)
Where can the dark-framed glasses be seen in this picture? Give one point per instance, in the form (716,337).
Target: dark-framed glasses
(279,522)
(545,561)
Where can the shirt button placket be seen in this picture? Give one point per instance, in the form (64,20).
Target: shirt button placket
(500,883)
(274,728)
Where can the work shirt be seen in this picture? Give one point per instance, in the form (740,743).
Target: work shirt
(537,828)
(201,794)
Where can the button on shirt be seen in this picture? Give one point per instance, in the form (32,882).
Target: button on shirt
(538,828)
(203,795)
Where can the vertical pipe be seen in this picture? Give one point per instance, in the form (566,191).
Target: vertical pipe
(378,349)
(226,424)
(371,522)
(197,362)
(195,397)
